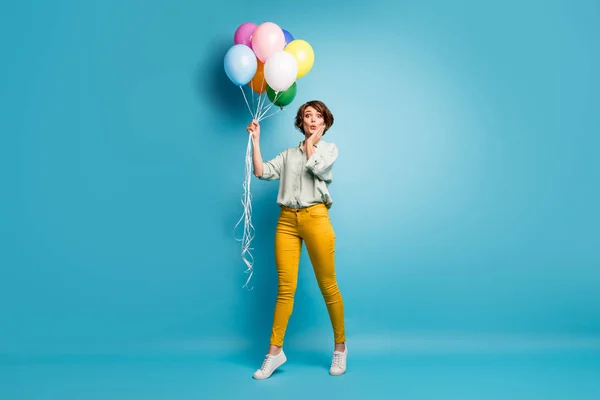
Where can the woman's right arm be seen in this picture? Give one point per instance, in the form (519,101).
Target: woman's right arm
(271,170)
(257,161)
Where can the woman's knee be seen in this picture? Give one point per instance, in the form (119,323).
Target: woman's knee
(286,289)
(329,288)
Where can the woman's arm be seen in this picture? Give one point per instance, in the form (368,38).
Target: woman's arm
(321,164)
(253,129)
(257,160)
(271,170)
(310,149)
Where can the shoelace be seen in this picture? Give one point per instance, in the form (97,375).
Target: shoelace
(337,359)
(265,363)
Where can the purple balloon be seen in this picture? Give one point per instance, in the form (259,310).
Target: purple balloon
(243,34)
(288,37)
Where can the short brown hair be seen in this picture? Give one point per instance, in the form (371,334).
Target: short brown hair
(321,108)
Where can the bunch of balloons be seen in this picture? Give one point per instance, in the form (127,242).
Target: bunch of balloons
(269,60)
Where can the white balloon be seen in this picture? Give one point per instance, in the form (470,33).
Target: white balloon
(281,70)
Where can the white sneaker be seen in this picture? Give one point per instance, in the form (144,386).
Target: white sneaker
(338,364)
(269,365)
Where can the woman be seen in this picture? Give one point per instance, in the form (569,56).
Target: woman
(304,172)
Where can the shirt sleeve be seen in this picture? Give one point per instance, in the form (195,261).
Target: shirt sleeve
(272,169)
(321,163)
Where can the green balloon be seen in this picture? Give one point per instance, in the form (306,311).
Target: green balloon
(283,98)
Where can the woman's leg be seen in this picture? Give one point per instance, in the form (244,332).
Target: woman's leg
(288,246)
(319,236)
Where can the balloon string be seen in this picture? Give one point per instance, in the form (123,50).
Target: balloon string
(252,90)
(249,231)
(256,109)
(265,96)
(259,103)
(270,115)
(249,109)
(265,109)
(262,114)
(262,86)
(258,106)
(262,103)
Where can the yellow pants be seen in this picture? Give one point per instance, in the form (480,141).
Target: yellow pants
(311,225)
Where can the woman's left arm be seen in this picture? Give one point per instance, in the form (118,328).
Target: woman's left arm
(321,163)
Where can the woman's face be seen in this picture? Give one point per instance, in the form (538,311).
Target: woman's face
(313,121)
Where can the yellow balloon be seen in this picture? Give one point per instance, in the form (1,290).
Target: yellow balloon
(304,55)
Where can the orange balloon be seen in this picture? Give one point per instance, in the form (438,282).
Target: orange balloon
(258,83)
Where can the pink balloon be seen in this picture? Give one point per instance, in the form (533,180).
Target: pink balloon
(267,39)
(243,34)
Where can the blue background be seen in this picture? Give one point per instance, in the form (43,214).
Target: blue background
(465,196)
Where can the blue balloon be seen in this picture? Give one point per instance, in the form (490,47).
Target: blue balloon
(288,37)
(240,64)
